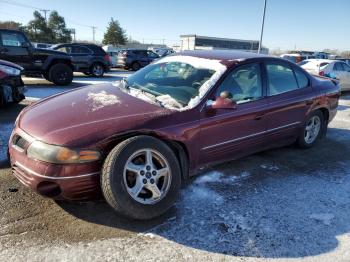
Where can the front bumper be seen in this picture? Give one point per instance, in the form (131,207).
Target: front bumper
(69,181)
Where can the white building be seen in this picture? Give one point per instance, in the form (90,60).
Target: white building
(195,42)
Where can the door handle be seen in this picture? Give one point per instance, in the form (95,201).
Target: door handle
(3,50)
(309,102)
(258,117)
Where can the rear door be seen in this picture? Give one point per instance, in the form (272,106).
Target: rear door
(346,83)
(12,49)
(142,57)
(290,96)
(81,56)
(151,56)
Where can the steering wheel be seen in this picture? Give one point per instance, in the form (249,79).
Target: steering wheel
(196,84)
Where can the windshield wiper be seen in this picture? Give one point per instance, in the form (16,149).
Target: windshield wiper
(148,94)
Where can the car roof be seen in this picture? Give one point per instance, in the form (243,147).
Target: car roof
(223,55)
(320,60)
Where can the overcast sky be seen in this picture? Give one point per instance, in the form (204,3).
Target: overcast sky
(304,24)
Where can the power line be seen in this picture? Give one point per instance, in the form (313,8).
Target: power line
(15,3)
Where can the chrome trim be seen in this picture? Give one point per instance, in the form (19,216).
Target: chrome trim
(252,135)
(54,178)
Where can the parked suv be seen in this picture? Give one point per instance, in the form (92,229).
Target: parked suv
(87,58)
(55,66)
(135,58)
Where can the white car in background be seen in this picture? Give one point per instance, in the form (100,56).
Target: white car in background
(330,68)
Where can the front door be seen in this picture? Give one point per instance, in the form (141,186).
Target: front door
(231,133)
(15,48)
(341,74)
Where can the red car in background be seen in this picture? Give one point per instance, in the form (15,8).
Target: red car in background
(135,140)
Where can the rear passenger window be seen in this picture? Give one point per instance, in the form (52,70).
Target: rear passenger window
(302,79)
(281,78)
(338,67)
(80,50)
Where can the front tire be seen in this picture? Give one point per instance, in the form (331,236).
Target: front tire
(61,74)
(312,130)
(97,70)
(141,178)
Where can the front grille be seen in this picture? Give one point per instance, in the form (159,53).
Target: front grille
(19,142)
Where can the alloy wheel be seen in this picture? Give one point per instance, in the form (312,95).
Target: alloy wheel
(147,176)
(312,129)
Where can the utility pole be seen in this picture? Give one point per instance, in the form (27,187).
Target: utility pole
(262,28)
(72,31)
(93,33)
(45,11)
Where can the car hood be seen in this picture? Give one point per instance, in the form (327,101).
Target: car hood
(88,115)
(6,63)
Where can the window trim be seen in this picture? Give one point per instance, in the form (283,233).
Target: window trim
(79,46)
(12,46)
(230,72)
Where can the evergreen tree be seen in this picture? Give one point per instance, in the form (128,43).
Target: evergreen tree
(115,34)
(59,31)
(37,29)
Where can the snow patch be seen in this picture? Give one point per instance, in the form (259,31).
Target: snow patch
(270,167)
(218,177)
(325,218)
(102,99)
(169,102)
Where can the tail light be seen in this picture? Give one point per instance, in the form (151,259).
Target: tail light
(321,73)
(107,58)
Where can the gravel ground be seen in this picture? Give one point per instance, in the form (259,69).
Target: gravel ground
(284,204)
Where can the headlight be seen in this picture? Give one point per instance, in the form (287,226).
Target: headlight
(60,155)
(10,70)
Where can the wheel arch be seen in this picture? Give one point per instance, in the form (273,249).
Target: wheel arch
(325,112)
(178,147)
(55,61)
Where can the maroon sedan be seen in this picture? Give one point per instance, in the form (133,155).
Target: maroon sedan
(137,139)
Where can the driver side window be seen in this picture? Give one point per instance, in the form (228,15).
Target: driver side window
(242,85)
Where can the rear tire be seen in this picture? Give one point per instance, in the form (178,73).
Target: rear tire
(141,178)
(135,66)
(97,70)
(61,74)
(312,130)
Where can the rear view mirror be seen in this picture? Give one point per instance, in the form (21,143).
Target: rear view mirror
(25,44)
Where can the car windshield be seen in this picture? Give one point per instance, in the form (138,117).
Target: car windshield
(174,83)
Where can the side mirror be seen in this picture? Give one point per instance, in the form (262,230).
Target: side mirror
(25,44)
(222,103)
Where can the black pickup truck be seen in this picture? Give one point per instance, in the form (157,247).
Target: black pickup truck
(53,65)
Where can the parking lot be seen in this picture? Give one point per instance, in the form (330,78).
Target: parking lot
(281,204)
